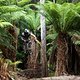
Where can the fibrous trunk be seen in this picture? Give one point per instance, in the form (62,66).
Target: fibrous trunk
(33,57)
(62,50)
(10,53)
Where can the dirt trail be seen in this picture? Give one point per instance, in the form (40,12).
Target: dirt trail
(22,76)
(59,78)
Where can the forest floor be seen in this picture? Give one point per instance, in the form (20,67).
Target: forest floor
(59,78)
(21,76)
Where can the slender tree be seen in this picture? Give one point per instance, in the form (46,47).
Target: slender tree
(54,1)
(43,43)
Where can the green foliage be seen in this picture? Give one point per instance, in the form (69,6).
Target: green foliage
(7,2)
(18,15)
(7,62)
(14,2)
(12,63)
(13,13)
(61,1)
(78,7)
(63,17)
(77,42)
(11,8)
(52,14)
(33,20)
(5,37)
(5,24)
(2,2)
(52,36)
(23,2)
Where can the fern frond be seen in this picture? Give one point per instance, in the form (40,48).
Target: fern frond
(51,12)
(23,2)
(17,15)
(2,2)
(5,24)
(5,38)
(64,18)
(78,7)
(51,36)
(32,20)
(11,8)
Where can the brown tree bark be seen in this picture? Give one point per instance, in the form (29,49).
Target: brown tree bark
(62,50)
(43,44)
(10,53)
(33,57)
(43,48)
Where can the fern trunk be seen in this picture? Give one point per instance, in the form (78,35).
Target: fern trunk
(62,49)
(33,59)
(10,53)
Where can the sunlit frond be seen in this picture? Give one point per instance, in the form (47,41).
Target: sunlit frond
(33,20)
(5,24)
(11,8)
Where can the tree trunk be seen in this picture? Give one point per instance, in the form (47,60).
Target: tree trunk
(10,53)
(32,63)
(62,50)
(43,43)
(54,1)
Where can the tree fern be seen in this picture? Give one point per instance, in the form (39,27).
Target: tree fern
(63,17)
(5,36)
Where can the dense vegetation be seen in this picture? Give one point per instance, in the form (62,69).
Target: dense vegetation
(21,46)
